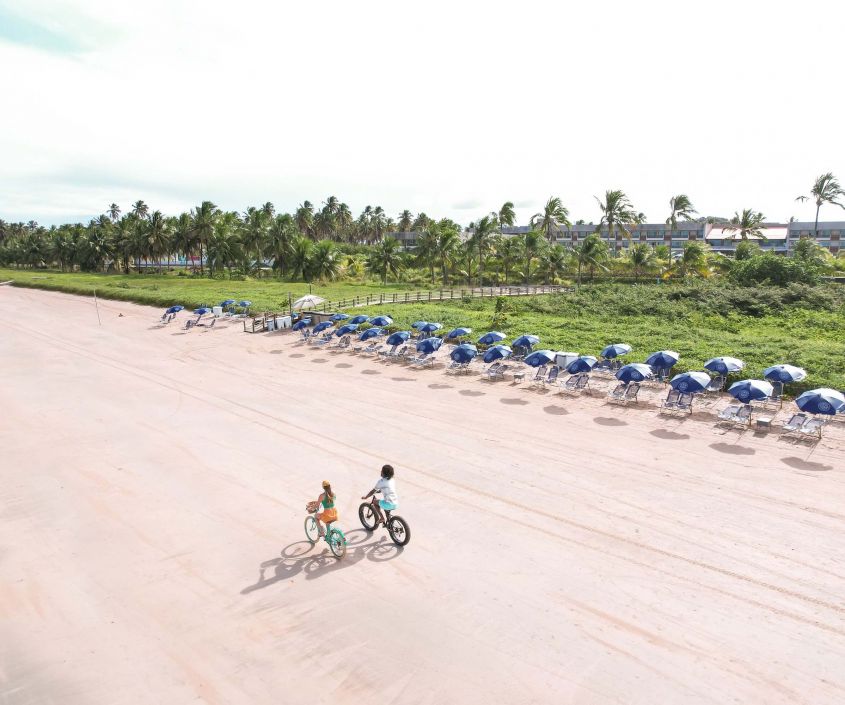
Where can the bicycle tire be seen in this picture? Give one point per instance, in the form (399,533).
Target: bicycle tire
(337,543)
(367,515)
(312,532)
(399,530)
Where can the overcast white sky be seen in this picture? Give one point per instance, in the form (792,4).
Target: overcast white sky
(445,107)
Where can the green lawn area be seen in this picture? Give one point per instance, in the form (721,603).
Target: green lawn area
(168,289)
(806,335)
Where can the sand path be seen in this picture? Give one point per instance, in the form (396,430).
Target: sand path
(152,485)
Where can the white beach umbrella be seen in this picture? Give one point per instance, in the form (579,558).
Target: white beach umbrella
(307,301)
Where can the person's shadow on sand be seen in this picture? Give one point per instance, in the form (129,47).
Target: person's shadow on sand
(298,557)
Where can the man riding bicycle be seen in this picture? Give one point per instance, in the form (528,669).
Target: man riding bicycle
(389,499)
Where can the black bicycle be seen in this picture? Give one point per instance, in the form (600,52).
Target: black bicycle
(397,527)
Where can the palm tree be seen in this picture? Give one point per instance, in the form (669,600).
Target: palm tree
(426,252)
(255,233)
(509,251)
(184,236)
(681,207)
(114,212)
(693,260)
(749,224)
(825,190)
(617,212)
(140,209)
(592,252)
(268,209)
(421,222)
(484,228)
(158,237)
(448,241)
(506,216)
(379,222)
(530,248)
(205,217)
(280,237)
(641,258)
(406,220)
(554,215)
(300,257)
(344,219)
(304,218)
(325,260)
(553,263)
(385,259)
(223,246)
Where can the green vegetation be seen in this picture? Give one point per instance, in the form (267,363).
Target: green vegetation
(798,324)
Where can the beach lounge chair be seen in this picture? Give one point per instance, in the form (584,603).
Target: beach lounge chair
(458,367)
(795,422)
(743,416)
(618,392)
(373,349)
(685,403)
(717,384)
(518,353)
(390,352)
(418,359)
(551,378)
(306,335)
(399,353)
(670,403)
(632,392)
(736,413)
(493,369)
(569,384)
(603,366)
(575,384)
(812,427)
(537,379)
(343,343)
(499,372)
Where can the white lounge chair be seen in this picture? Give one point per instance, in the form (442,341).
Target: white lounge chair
(812,427)
(795,422)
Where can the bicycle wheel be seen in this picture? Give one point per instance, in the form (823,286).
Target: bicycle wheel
(311,530)
(399,530)
(337,543)
(367,515)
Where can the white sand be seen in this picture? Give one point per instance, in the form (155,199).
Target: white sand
(152,485)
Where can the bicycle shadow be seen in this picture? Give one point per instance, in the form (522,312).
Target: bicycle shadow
(298,557)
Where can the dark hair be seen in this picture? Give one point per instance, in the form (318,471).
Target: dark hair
(387,471)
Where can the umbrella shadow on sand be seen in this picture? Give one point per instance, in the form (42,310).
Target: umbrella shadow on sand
(315,560)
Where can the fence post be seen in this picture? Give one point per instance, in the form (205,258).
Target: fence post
(429,296)
(381,298)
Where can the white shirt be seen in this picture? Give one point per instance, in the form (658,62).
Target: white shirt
(388,490)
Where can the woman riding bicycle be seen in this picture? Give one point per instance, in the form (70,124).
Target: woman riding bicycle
(329,513)
(389,499)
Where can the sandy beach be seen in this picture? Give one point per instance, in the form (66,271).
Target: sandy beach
(563,550)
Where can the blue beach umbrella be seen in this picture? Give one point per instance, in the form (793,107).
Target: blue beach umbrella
(724,365)
(585,363)
(320,327)
(464,353)
(300,324)
(491,338)
(784,373)
(431,327)
(615,350)
(346,329)
(175,309)
(371,333)
(429,345)
(526,341)
(750,390)
(245,303)
(540,357)
(227,302)
(417,325)
(497,352)
(458,333)
(821,401)
(663,360)
(339,317)
(360,319)
(381,321)
(691,382)
(399,337)
(634,372)
(202,311)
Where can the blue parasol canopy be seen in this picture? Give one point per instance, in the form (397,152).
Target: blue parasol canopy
(492,338)
(245,303)
(175,309)
(339,317)
(784,373)
(300,324)
(691,382)
(320,327)
(227,302)
(360,319)
(417,325)
(821,401)
(431,327)
(585,363)
(526,341)
(464,353)
(458,333)
(202,311)
(663,360)
(381,321)
(399,337)
(429,345)
(634,372)
(750,390)
(497,352)
(540,357)
(346,329)
(724,365)
(615,350)
(371,333)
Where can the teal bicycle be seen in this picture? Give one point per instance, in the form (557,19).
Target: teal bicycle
(334,536)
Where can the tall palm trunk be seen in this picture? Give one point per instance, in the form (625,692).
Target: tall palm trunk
(816,224)
(202,272)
